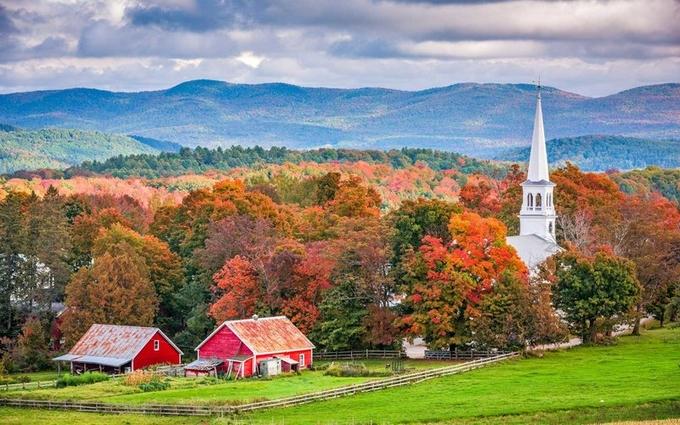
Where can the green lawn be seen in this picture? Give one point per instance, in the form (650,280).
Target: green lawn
(47,375)
(637,379)
(205,391)
(636,371)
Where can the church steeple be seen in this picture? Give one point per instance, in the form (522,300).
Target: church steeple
(538,159)
(537,216)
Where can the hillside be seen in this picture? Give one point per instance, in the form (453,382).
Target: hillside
(61,148)
(601,153)
(468,118)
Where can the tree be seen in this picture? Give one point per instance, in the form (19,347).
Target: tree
(164,267)
(445,283)
(595,288)
(116,289)
(11,260)
(31,353)
(239,290)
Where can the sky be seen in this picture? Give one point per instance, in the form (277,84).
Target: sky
(590,47)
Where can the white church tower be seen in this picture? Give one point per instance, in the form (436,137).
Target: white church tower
(537,216)
(536,240)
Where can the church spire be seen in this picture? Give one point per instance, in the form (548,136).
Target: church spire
(538,159)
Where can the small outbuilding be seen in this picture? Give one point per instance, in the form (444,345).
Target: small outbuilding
(118,349)
(243,348)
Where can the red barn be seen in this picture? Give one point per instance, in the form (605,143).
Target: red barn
(115,348)
(239,346)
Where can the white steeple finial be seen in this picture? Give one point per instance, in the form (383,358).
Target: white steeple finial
(538,159)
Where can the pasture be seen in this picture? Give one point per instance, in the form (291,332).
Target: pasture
(636,379)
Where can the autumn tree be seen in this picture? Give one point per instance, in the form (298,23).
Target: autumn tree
(116,289)
(31,353)
(447,282)
(594,288)
(164,267)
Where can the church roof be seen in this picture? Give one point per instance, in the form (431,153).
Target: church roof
(533,249)
(538,159)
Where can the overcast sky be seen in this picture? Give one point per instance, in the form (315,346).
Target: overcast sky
(592,47)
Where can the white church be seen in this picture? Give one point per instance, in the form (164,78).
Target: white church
(536,241)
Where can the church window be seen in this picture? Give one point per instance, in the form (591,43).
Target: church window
(530,200)
(548,200)
(538,201)
(550,228)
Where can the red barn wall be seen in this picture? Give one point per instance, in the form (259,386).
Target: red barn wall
(148,356)
(222,345)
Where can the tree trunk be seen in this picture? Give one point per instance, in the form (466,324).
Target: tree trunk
(661,322)
(636,327)
(591,334)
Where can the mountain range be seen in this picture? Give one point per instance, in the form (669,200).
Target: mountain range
(483,120)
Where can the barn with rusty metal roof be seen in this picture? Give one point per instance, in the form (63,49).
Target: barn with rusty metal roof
(240,346)
(118,348)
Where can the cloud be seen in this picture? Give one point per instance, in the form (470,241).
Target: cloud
(589,46)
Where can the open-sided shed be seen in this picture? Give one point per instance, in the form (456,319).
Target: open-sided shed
(117,348)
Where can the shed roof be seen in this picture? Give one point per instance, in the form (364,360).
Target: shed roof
(267,335)
(112,344)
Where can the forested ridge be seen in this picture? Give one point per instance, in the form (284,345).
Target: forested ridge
(601,153)
(61,148)
(202,159)
(322,249)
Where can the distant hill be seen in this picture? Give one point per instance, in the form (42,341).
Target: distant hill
(601,153)
(478,119)
(60,148)
(160,145)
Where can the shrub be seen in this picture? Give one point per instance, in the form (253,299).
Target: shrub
(84,379)
(352,369)
(156,384)
(138,377)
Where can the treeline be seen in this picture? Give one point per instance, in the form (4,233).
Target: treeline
(349,276)
(601,153)
(202,159)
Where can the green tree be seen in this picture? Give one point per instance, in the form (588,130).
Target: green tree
(589,289)
(31,353)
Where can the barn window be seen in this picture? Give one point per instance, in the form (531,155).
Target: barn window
(302,360)
(156,345)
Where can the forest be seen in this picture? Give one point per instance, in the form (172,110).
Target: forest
(320,245)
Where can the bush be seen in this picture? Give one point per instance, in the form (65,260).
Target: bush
(352,369)
(138,377)
(84,379)
(156,384)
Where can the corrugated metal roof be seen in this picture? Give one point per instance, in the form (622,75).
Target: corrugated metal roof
(269,334)
(203,364)
(112,343)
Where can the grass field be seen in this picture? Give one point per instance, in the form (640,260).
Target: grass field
(205,391)
(636,371)
(637,379)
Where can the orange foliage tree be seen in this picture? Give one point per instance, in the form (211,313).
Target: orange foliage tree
(447,282)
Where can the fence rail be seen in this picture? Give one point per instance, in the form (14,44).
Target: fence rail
(462,354)
(359,354)
(199,410)
(28,385)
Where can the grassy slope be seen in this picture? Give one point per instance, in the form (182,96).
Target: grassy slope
(637,370)
(60,148)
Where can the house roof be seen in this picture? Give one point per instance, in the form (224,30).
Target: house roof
(112,344)
(266,335)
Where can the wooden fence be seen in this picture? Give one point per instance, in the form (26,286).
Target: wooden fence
(200,410)
(28,385)
(462,354)
(359,354)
